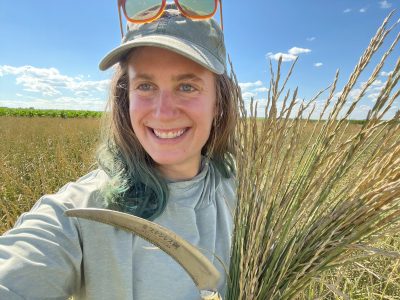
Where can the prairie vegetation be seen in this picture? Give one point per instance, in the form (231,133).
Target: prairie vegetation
(320,219)
(40,155)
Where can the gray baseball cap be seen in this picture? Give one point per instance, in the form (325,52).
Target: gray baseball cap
(199,40)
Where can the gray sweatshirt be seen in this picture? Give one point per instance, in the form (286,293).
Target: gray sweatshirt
(50,256)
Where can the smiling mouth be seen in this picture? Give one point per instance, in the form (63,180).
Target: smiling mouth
(168,134)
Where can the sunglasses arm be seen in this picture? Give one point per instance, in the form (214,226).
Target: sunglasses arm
(220,14)
(120,19)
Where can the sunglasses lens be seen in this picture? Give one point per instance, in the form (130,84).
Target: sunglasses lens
(142,10)
(198,8)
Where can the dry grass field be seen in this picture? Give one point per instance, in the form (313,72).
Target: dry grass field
(40,155)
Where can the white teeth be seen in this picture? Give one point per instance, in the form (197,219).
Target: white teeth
(168,134)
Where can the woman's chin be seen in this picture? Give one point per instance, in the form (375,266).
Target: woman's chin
(172,165)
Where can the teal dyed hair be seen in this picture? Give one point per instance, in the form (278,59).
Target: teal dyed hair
(136,186)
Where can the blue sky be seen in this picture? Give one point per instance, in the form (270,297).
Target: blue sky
(50,50)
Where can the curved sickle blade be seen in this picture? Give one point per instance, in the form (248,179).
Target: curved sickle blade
(199,268)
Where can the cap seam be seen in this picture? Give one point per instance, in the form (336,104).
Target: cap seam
(182,39)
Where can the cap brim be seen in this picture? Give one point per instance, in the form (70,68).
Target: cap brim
(185,48)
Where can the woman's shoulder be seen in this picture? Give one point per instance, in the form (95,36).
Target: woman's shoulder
(88,182)
(228,189)
(85,191)
(226,177)
(49,210)
(226,186)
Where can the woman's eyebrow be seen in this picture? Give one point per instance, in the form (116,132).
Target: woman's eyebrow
(188,76)
(142,76)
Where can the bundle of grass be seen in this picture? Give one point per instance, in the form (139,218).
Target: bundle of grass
(312,194)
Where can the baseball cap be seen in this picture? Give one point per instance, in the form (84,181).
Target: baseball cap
(202,41)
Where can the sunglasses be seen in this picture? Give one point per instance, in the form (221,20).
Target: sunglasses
(146,11)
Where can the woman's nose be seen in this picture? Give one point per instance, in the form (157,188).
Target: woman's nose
(165,106)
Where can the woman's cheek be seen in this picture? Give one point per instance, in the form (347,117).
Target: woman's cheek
(138,105)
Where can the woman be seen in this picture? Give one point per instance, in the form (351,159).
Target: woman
(167,156)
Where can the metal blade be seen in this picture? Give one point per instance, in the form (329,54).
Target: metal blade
(199,268)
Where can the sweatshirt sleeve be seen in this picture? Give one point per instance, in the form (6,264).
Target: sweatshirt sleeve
(40,258)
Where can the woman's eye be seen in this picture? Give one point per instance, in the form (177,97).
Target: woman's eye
(144,87)
(187,88)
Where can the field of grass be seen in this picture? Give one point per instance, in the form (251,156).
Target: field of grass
(40,155)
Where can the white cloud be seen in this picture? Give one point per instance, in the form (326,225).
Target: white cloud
(355,93)
(249,85)
(75,103)
(347,10)
(359,113)
(261,90)
(373,96)
(318,64)
(310,39)
(290,56)
(248,95)
(261,105)
(371,93)
(285,56)
(376,87)
(377,82)
(251,90)
(385,4)
(40,72)
(50,82)
(297,50)
(37,85)
(364,107)
(82,93)
(363,10)
(383,73)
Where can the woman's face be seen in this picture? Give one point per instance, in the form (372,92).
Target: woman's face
(172,103)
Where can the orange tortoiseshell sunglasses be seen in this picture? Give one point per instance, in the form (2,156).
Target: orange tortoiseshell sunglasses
(146,11)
